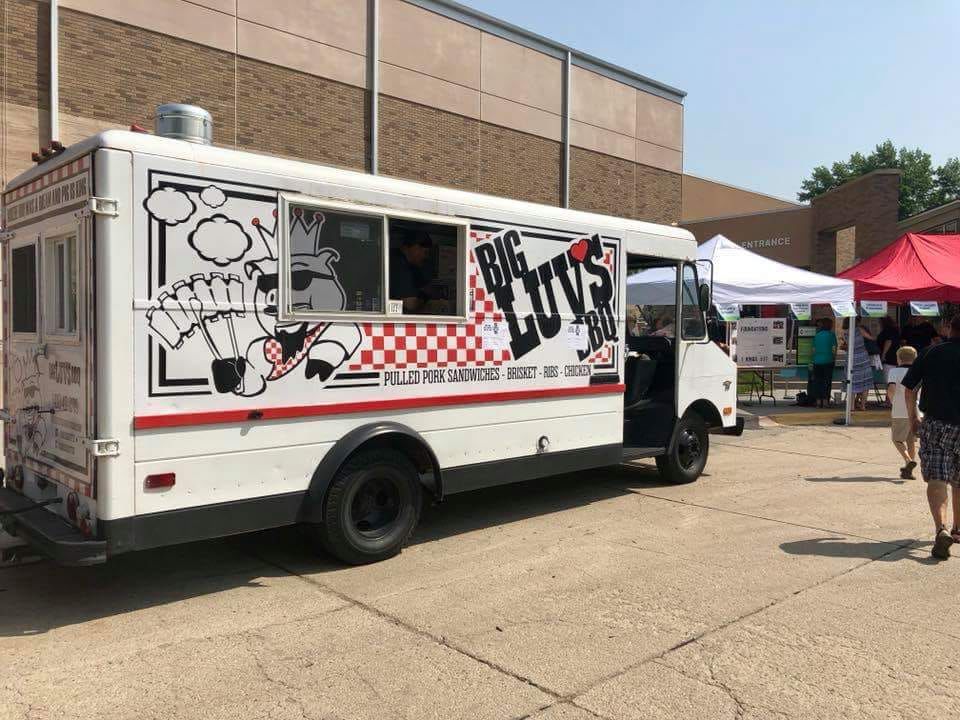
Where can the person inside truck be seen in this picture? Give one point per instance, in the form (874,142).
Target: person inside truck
(410,279)
(665,325)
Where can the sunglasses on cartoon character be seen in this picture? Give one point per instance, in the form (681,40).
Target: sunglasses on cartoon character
(299,280)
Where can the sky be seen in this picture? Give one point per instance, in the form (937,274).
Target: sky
(775,88)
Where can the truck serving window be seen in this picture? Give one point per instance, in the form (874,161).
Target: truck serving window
(61,284)
(347,259)
(23,284)
(425,266)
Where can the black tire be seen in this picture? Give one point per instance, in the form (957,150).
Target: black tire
(687,454)
(371,508)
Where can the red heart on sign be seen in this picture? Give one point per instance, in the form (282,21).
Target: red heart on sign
(578,251)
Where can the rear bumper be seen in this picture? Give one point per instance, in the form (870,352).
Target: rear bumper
(47,533)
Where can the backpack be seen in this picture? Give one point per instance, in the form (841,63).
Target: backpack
(803,400)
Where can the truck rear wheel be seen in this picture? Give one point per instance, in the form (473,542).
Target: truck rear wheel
(687,453)
(372,507)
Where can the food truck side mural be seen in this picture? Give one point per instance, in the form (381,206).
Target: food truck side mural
(541,308)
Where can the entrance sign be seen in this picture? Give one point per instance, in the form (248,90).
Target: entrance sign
(924,308)
(729,312)
(801,311)
(844,309)
(873,308)
(761,342)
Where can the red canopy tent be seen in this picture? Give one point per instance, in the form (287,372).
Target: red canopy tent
(915,267)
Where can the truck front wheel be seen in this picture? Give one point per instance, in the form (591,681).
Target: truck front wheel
(687,453)
(372,507)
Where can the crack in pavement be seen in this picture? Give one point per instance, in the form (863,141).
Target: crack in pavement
(393,620)
(741,706)
(561,703)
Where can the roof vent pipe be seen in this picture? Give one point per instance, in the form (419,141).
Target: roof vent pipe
(184,122)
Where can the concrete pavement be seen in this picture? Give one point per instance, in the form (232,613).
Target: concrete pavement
(793,581)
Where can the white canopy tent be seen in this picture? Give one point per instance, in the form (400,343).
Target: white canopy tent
(742,277)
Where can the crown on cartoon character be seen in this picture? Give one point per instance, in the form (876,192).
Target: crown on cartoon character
(303,234)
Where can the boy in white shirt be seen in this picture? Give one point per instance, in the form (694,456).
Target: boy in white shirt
(900,430)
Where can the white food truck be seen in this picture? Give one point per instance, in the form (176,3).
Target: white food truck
(200,342)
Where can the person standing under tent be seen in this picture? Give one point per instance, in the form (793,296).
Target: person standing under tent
(919,333)
(889,342)
(862,366)
(824,360)
(937,372)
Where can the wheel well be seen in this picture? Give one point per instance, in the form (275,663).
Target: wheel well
(708,411)
(367,437)
(419,455)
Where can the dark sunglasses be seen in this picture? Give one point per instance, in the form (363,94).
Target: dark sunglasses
(299,280)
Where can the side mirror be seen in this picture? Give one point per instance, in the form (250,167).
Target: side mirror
(704,297)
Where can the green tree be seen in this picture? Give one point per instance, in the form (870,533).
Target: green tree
(921,186)
(947,182)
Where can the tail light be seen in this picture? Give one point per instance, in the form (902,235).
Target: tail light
(160,481)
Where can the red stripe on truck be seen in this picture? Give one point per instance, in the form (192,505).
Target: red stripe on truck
(216,417)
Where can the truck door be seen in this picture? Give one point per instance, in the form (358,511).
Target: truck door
(48,321)
(703,369)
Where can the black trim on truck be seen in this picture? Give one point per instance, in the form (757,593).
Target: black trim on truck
(503,472)
(47,532)
(205,522)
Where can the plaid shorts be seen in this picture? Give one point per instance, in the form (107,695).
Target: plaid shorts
(940,452)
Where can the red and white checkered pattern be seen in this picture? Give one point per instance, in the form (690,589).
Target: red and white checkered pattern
(273,352)
(608,258)
(61,173)
(400,345)
(603,355)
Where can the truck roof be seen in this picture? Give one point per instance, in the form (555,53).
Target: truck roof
(148,144)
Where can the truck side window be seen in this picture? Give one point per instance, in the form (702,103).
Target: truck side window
(693,326)
(336,261)
(360,259)
(23,284)
(425,266)
(61,284)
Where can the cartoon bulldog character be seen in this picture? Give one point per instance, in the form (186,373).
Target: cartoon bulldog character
(320,347)
(208,305)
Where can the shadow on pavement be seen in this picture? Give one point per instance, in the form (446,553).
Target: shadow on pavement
(857,479)
(841,547)
(42,596)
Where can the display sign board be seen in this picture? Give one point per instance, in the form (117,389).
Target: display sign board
(805,345)
(844,309)
(801,311)
(729,312)
(761,342)
(924,308)
(873,308)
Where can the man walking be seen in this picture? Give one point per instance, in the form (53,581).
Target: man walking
(938,372)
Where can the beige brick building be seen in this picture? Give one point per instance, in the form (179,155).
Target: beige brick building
(423,89)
